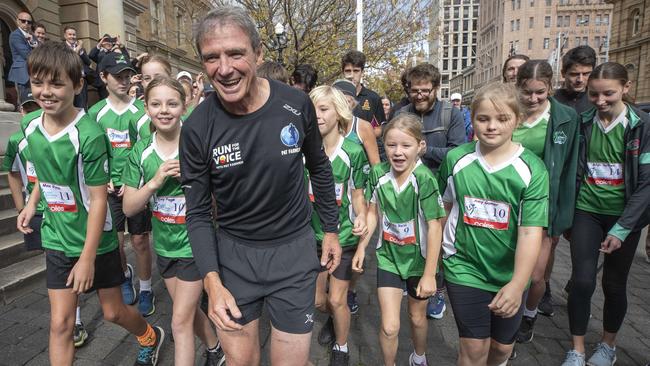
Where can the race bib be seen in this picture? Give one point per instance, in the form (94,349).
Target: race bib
(31,172)
(170,210)
(58,198)
(605,174)
(338,188)
(486,213)
(118,139)
(399,233)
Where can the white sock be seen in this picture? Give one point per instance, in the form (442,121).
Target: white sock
(145,285)
(78,319)
(530,313)
(343,348)
(419,359)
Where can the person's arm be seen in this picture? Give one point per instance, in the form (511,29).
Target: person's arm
(360,228)
(427,285)
(94,53)
(367,134)
(371,223)
(25,216)
(16,189)
(455,137)
(135,199)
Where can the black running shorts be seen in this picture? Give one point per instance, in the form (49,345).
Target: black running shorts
(138,225)
(108,269)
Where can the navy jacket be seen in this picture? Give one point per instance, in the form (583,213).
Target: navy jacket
(20,50)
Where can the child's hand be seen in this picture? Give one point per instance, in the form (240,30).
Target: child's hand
(110,187)
(360,228)
(170,168)
(120,193)
(82,275)
(357,260)
(427,286)
(507,301)
(25,216)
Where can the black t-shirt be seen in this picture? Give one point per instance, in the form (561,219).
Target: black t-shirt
(253,167)
(369,107)
(578,101)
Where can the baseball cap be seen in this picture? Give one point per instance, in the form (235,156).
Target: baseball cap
(456,96)
(114,63)
(346,87)
(184,74)
(26,97)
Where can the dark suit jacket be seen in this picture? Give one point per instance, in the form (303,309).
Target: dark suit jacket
(20,50)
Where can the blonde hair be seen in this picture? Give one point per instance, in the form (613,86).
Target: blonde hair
(159,59)
(502,96)
(333,95)
(406,122)
(163,81)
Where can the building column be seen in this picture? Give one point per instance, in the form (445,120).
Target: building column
(111,18)
(4,106)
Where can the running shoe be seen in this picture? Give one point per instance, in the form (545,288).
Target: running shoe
(128,290)
(80,334)
(216,358)
(326,333)
(353,302)
(573,358)
(147,304)
(148,355)
(413,363)
(604,355)
(339,358)
(526,329)
(436,306)
(545,306)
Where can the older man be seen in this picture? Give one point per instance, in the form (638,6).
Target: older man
(21,42)
(244,147)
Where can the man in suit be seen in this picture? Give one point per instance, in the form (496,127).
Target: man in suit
(70,36)
(21,42)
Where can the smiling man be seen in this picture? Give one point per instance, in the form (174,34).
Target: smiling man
(244,147)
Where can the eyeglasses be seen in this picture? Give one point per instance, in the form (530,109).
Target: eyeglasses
(422,92)
(26,21)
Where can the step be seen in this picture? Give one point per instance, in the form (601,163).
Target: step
(6,201)
(3,180)
(8,221)
(12,250)
(21,278)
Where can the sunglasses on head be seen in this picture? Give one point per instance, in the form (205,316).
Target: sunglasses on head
(27,21)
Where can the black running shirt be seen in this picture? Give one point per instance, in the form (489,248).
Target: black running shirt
(253,167)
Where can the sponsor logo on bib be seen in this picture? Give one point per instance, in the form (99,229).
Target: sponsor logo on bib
(486,213)
(402,233)
(31,172)
(118,139)
(605,174)
(170,210)
(58,198)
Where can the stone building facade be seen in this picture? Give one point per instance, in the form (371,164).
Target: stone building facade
(630,43)
(154,26)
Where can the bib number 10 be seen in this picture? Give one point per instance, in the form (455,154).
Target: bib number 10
(486,213)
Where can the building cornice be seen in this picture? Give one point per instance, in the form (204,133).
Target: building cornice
(134,7)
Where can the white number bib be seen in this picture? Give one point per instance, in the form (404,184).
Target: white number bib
(486,213)
(118,138)
(170,210)
(605,174)
(31,172)
(338,188)
(399,233)
(58,198)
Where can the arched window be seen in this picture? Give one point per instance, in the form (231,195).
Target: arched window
(636,22)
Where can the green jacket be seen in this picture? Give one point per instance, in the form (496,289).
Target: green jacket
(636,169)
(561,159)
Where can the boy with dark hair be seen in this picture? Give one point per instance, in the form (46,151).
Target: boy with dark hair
(273,70)
(577,65)
(304,77)
(117,115)
(78,237)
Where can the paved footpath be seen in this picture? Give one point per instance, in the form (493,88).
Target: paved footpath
(24,328)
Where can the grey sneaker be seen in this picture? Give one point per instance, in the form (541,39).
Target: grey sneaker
(604,355)
(574,358)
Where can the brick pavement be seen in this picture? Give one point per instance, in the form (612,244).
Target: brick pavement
(24,327)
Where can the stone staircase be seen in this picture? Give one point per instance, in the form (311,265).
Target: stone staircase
(20,271)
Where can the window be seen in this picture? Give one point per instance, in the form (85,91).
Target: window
(585,41)
(548,3)
(512,25)
(585,19)
(180,26)
(577,42)
(597,20)
(531,22)
(636,22)
(546,43)
(547,21)
(605,19)
(517,24)
(156,17)
(532,3)
(567,20)
(560,20)
(530,43)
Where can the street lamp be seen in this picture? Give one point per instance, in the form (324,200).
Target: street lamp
(279,42)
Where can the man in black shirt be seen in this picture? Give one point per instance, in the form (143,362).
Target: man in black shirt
(369,105)
(577,65)
(244,147)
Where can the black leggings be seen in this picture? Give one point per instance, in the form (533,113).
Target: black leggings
(589,230)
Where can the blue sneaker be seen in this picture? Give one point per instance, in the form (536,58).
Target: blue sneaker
(436,306)
(353,302)
(574,358)
(604,355)
(128,290)
(149,355)
(147,305)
